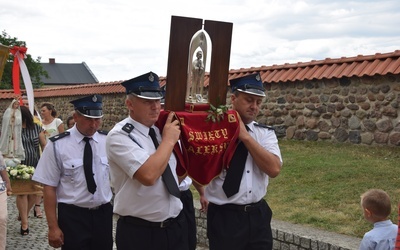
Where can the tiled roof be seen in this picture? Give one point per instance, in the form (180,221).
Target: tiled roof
(358,66)
(84,89)
(76,90)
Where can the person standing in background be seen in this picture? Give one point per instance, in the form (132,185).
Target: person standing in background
(5,190)
(70,122)
(36,117)
(32,137)
(37,212)
(51,124)
(238,217)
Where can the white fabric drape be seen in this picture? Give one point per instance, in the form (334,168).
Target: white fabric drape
(28,83)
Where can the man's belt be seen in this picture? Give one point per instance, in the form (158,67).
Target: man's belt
(145,223)
(243,208)
(84,208)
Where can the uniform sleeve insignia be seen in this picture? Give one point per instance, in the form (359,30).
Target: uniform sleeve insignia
(59,136)
(264,126)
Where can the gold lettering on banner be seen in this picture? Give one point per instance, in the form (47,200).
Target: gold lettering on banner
(214,149)
(224,133)
(208,149)
(209,136)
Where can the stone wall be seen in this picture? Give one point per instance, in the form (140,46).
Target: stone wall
(114,108)
(355,110)
(347,110)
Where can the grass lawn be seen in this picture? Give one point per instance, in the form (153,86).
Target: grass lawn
(321,182)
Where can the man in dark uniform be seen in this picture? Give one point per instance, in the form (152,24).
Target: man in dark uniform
(75,173)
(238,217)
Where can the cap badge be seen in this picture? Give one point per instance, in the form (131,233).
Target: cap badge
(94,98)
(151,78)
(258,78)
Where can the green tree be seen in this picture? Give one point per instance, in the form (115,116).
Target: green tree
(34,67)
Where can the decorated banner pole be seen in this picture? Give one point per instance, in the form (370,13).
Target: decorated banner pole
(19,65)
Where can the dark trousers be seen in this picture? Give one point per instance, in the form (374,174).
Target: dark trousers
(86,229)
(132,233)
(239,227)
(188,211)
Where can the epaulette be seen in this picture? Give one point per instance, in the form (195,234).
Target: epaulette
(103,132)
(128,128)
(263,126)
(59,136)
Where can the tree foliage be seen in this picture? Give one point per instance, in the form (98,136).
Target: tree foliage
(34,67)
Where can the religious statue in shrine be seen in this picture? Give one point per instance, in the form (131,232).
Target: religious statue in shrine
(11,140)
(197,77)
(196,71)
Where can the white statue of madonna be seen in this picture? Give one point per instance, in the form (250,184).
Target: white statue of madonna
(10,139)
(197,65)
(197,77)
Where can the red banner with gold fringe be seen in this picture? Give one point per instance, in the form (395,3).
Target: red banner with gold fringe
(207,147)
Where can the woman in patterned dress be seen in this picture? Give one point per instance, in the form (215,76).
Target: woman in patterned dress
(32,137)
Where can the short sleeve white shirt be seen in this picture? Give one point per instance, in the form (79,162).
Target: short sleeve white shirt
(254,183)
(61,166)
(126,155)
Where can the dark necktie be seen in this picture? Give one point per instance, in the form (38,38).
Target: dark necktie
(235,171)
(87,165)
(167,176)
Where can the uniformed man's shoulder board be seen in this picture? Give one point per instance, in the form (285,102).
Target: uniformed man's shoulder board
(103,132)
(128,128)
(264,126)
(59,136)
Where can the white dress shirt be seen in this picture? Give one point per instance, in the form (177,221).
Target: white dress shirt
(61,166)
(132,198)
(254,183)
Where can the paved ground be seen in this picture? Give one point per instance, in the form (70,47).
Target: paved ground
(37,238)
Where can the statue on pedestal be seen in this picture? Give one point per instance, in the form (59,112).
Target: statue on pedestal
(196,71)
(11,139)
(197,77)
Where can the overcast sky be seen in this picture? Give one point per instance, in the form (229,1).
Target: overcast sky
(121,39)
